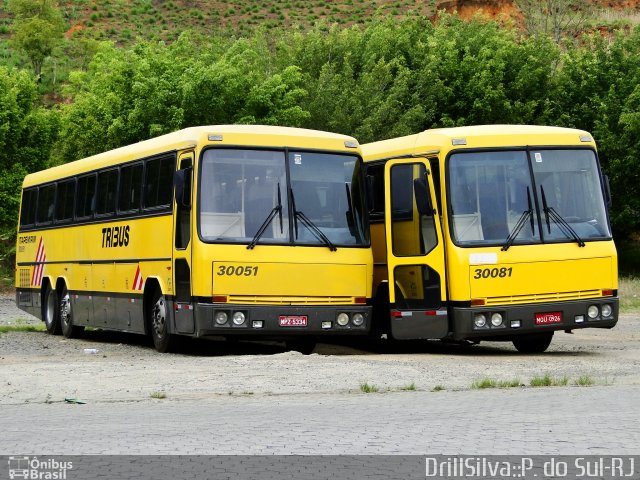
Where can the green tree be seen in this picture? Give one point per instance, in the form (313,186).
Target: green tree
(38,28)
(27,133)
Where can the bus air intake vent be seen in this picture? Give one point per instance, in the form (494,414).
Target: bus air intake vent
(544,297)
(25,278)
(289,300)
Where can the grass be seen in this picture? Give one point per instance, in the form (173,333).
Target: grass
(159,395)
(409,388)
(491,383)
(584,381)
(366,388)
(22,328)
(629,293)
(549,381)
(438,388)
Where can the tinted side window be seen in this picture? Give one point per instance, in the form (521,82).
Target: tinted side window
(86,196)
(107,188)
(375,191)
(64,204)
(29,204)
(46,204)
(130,188)
(158,182)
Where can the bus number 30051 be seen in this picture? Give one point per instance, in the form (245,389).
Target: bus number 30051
(492,272)
(239,271)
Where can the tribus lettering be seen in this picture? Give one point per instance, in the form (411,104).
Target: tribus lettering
(115,236)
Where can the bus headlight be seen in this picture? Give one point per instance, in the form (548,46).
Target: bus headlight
(496,319)
(593,311)
(358,319)
(221,318)
(607,310)
(238,318)
(480,320)
(342,319)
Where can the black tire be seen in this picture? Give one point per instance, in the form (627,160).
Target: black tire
(533,343)
(305,346)
(158,320)
(69,330)
(50,311)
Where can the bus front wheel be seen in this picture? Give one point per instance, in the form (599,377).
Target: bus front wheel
(159,323)
(533,343)
(50,311)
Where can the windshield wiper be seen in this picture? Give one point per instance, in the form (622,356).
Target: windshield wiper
(527,214)
(550,212)
(319,234)
(277,210)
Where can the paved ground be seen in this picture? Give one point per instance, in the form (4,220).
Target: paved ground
(255,398)
(554,420)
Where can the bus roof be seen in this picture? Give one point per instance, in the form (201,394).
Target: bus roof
(249,135)
(479,136)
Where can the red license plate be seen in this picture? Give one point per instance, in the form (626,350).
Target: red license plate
(548,318)
(293,320)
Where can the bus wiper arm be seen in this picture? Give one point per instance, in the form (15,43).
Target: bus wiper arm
(520,224)
(522,221)
(567,229)
(319,234)
(315,230)
(277,210)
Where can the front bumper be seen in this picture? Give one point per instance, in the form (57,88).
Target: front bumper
(520,319)
(269,319)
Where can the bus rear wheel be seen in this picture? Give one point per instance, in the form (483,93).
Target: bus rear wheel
(533,343)
(69,330)
(159,323)
(50,311)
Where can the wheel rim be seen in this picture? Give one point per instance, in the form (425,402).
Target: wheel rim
(65,310)
(159,317)
(51,308)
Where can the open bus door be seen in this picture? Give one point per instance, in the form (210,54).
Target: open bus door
(415,252)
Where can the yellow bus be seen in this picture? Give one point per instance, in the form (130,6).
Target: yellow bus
(490,232)
(230,231)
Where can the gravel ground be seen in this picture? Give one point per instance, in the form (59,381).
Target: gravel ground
(37,367)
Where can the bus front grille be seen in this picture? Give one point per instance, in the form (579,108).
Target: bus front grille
(544,297)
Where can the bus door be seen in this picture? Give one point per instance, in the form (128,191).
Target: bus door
(415,251)
(183,305)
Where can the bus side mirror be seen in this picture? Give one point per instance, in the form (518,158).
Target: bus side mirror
(182,184)
(423,199)
(607,192)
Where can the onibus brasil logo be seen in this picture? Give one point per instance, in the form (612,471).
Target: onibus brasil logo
(35,469)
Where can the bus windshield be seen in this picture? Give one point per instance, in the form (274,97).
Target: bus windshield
(495,200)
(254,197)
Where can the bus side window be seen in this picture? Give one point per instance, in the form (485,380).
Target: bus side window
(158,182)
(46,204)
(375,191)
(64,202)
(29,205)
(107,186)
(130,188)
(86,196)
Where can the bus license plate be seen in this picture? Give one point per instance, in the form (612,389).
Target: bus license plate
(293,320)
(548,318)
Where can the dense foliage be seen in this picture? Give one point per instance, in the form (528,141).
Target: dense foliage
(385,80)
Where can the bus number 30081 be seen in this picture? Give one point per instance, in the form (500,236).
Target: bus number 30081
(239,271)
(492,272)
